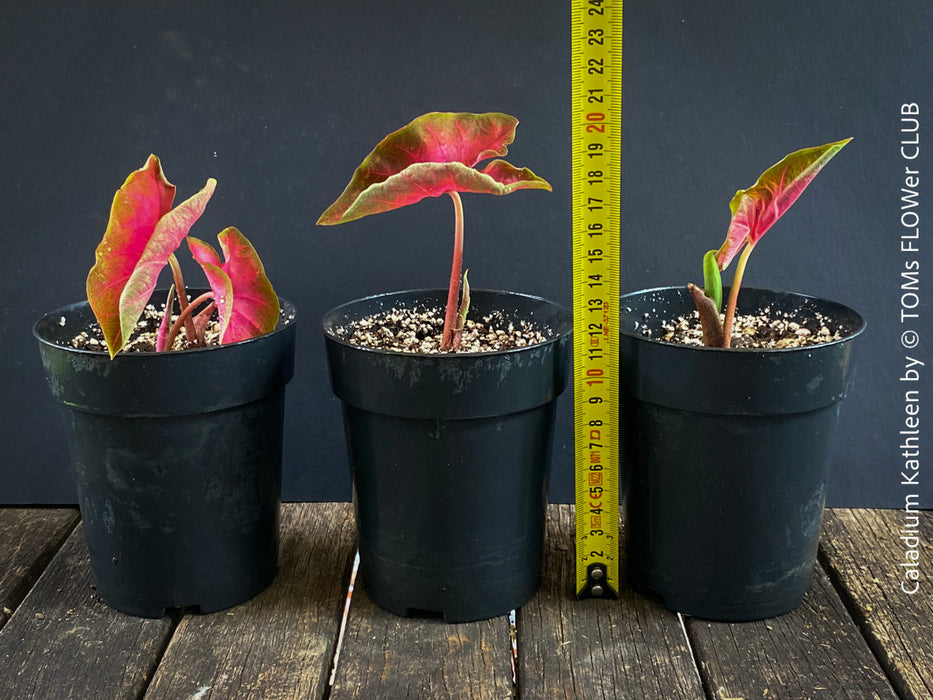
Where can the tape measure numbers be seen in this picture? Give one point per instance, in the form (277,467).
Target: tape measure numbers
(596,160)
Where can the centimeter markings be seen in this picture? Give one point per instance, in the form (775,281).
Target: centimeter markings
(596,160)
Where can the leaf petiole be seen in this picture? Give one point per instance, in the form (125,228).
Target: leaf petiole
(451,340)
(186,316)
(164,326)
(734,295)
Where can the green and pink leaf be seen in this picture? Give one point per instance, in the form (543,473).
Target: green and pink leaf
(217,278)
(163,241)
(421,180)
(756,209)
(433,154)
(145,197)
(142,233)
(247,305)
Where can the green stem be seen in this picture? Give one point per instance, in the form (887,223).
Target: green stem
(734,294)
(451,339)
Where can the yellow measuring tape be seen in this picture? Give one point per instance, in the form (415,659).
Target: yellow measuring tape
(597,148)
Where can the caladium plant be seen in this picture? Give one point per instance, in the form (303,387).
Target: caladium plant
(141,239)
(436,153)
(754,212)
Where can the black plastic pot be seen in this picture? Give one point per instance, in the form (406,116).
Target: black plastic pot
(725,455)
(178,461)
(450,456)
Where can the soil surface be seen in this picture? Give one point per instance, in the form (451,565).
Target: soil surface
(420,331)
(765,330)
(143,338)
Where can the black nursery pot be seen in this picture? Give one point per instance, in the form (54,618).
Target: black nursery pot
(725,455)
(178,460)
(450,457)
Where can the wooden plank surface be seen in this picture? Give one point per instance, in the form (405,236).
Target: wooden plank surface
(29,537)
(63,641)
(281,643)
(815,651)
(627,648)
(385,656)
(867,557)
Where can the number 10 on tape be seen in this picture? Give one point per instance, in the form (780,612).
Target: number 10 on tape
(596,160)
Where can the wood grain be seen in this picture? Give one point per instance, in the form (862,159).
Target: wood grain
(281,643)
(385,656)
(29,537)
(815,651)
(857,634)
(627,648)
(864,553)
(63,641)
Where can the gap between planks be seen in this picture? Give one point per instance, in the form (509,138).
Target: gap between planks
(626,648)
(282,643)
(29,539)
(341,637)
(837,544)
(343,626)
(862,554)
(855,659)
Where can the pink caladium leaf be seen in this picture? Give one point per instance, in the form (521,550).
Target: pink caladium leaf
(142,233)
(433,154)
(247,305)
(756,209)
(217,278)
(144,198)
(422,180)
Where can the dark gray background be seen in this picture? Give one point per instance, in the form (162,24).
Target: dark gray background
(280,101)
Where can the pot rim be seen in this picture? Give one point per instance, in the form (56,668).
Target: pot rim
(862,324)
(558,333)
(284,323)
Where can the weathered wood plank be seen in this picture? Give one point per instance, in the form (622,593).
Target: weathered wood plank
(384,656)
(281,643)
(815,651)
(63,641)
(29,538)
(627,648)
(866,556)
